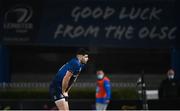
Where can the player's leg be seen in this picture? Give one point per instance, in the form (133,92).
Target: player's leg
(66,99)
(62,104)
(98,106)
(104,107)
(101,107)
(59,99)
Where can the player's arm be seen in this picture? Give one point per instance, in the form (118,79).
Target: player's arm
(65,82)
(107,89)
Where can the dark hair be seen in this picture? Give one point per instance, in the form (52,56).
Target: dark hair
(82,51)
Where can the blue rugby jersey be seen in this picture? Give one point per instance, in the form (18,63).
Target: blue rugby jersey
(74,66)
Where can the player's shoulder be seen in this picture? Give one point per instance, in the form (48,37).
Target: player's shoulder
(106,78)
(74,61)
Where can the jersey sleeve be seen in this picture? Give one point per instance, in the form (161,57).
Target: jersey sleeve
(74,67)
(107,88)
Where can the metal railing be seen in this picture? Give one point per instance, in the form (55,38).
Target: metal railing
(46,85)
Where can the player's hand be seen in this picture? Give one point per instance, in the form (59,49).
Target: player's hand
(106,100)
(65,94)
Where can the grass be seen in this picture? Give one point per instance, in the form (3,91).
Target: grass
(43,93)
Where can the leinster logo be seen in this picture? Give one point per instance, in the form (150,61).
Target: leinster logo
(18,18)
(19,14)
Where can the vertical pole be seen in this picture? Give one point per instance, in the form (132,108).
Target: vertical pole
(4,64)
(175,61)
(144,96)
(175,52)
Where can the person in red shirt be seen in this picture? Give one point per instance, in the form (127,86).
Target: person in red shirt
(103,91)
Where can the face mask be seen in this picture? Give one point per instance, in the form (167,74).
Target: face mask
(100,76)
(171,76)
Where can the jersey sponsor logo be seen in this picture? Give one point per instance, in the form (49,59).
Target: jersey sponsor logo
(80,69)
(75,76)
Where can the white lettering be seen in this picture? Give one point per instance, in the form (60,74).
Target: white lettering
(86,12)
(129,32)
(163,31)
(109,30)
(171,32)
(98,12)
(108,12)
(134,14)
(68,31)
(154,13)
(58,30)
(143,32)
(74,32)
(119,32)
(18,26)
(92,30)
(75,14)
(125,13)
(78,31)
(122,13)
(153,33)
(157,33)
(143,15)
